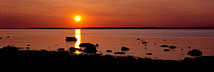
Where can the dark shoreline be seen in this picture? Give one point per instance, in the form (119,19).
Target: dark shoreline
(45,56)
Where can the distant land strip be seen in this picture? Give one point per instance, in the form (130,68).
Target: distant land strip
(122,28)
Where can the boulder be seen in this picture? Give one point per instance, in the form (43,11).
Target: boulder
(148,53)
(172,47)
(195,52)
(72,49)
(108,51)
(119,53)
(166,50)
(164,46)
(68,39)
(9,50)
(125,49)
(89,48)
(61,49)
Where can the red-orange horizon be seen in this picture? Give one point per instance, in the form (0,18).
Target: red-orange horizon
(106,13)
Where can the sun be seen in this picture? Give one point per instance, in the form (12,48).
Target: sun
(77,18)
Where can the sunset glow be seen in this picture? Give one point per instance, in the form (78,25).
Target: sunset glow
(106,13)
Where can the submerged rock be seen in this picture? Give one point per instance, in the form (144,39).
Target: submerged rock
(8,37)
(108,51)
(148,53)
(145,42)
(27,48)
(119,53)
(28,45)
(68,39)
(89,48)
(195,52)
(166,50)
(61,49)
(172,47)
(125,49)
(164,46)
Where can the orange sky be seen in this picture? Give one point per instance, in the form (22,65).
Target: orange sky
(106,13)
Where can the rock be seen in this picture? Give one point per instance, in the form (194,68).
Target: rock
(182,54)
(68,39)
(97,45)
(89,48)
(44,50)
(61,49)
(172,47)
(27,48)
(148,53)
(166,50)
(0,38)
(8,37)
(195,52)
(28,45)
(72,49)
(108,51)
(164,46)
(145,42)
(9,50)
(119,53)
(125,49)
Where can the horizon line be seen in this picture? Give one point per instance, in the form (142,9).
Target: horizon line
(119,28)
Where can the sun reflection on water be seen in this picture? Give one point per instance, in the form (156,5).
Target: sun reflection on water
(78,36)
(77,52)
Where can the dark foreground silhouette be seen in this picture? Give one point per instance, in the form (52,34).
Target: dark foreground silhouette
(67,57)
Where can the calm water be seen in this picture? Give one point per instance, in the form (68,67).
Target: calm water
(114,39)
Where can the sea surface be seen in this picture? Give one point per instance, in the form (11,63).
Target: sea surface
(113,39)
